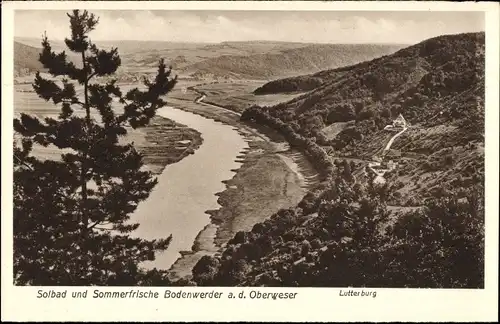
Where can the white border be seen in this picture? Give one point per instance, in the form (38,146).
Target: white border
(323,304)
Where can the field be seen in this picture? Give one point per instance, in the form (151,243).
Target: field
(238,95)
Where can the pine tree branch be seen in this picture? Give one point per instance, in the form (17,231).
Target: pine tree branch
(78,102)
(91,76)
(95,224)
(24,163)
(102,229)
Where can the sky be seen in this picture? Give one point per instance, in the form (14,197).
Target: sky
(401,27)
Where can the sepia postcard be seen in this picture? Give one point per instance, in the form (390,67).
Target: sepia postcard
(250,161)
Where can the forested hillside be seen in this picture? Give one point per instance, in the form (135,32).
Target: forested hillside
(438,85)
(423,226)
(285,62)
(299,83)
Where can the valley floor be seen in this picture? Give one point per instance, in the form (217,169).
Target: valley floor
(270,178)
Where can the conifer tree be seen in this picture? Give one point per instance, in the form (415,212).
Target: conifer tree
(71,216)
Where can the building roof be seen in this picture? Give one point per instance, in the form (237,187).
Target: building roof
(400,120)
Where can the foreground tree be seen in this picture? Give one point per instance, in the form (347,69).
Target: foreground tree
(71,216)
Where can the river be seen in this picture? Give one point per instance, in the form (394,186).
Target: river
(187,189)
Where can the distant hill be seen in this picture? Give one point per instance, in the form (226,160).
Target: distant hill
(137,56)
(294,60)
(234,60)
(409,230)
(124,46)
(253,59)
(26,59)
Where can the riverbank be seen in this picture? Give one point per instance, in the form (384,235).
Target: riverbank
(165,142)
(270,177)
(186,190)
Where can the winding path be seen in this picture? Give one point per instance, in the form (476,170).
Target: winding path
(203,96)
(389,144)
(381,172)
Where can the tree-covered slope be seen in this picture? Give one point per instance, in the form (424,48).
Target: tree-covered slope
(423,226)
(429,72)
(286,62)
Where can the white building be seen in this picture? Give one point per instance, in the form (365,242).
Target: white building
(397,125)
(399,122)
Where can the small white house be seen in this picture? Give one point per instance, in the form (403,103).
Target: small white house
(399,122)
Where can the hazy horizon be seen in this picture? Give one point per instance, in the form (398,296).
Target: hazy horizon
(213,27)
(209,43)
